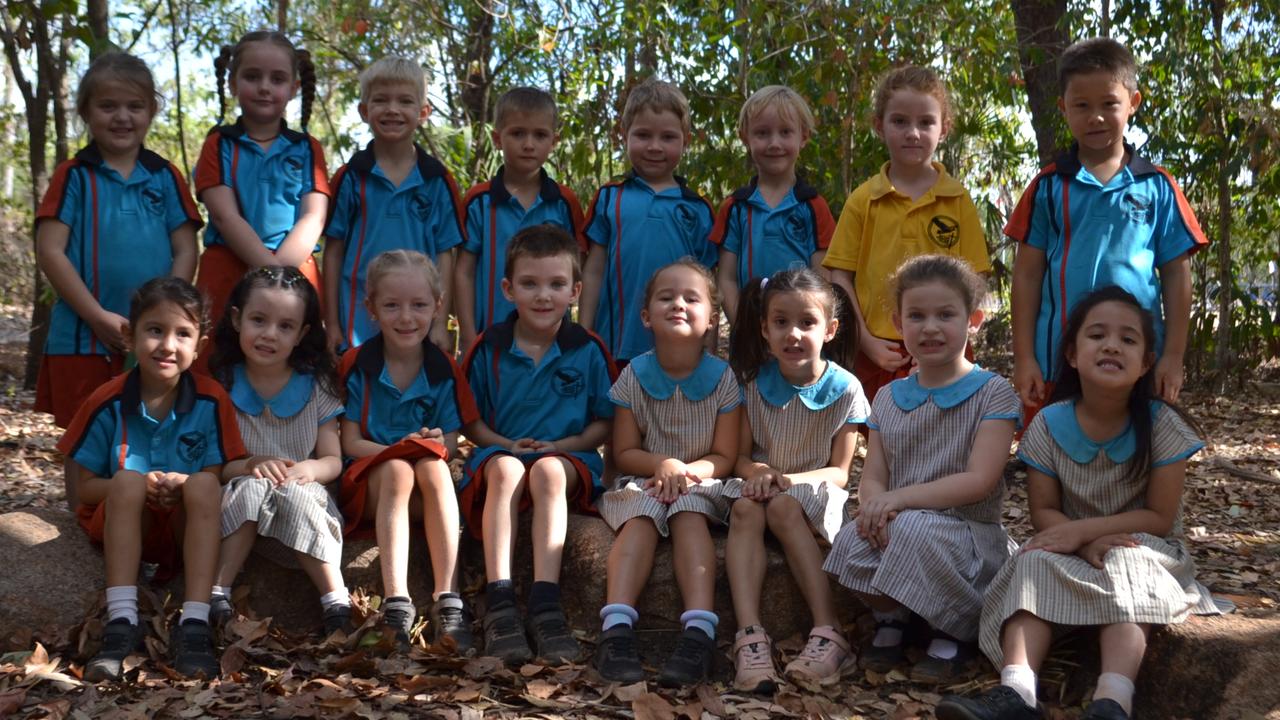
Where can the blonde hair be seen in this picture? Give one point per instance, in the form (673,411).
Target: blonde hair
(656,96)
(785,101)
(393,69)
(912,77)
(397,260)
(122,68)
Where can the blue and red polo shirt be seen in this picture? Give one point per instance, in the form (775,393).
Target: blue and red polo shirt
(556,398)
(438,397)
(641,231)
(768,239)
(1095,235)
(372,215)
(120,234)
(112,431)
(268,184)
(493,216)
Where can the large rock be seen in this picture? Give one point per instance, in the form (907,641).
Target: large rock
(53,576)
(1212,668)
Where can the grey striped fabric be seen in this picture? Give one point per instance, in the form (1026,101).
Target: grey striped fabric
(292,517)
(938,562)
(1153,583)
(676,428)
(795,439)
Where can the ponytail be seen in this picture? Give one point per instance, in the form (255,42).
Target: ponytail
(220,65)
(307,79)
(843,348)
(748,350)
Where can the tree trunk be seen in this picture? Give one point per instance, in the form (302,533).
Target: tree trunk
(98,12)
(1042,36)
(1226,283)
(476,81)
(175,46)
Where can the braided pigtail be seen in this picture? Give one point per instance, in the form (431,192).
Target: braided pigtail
(220,65)
(307,78)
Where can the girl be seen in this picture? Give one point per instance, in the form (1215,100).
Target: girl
(113,217)
(406,401)
(146,451)
(913,207)
(928,536)
(673,438)
(1106,464)
(272,357)
(802,409)
(778,221)
(264,184)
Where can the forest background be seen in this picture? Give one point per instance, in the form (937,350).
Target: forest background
(1210,74)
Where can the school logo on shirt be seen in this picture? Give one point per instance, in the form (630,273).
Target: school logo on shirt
(568,382)
(944,231)
(153,201)
(294,166)
(191,446)
(420,204)
(426,407)
(794,228)
(1137,206)
(685,219)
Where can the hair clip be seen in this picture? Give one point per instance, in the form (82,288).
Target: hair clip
(764,282)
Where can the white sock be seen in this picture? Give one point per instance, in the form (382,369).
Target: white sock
(223,590)
(943,648)
(122,602)
(889,636)
(194,611)
(337,597)
(1022,679)
(1114,686)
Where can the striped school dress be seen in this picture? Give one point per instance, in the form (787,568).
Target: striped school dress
(677,419)
(791,431)
(938,562)
(304,518)
(1154,582)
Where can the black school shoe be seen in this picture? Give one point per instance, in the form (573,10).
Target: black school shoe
(690,662)
(337,617)
(191,645)
(999,703)
(220,611)
(617,659)
(552,638)
(937,671)
(1104,709)
(450,618)
(883,659)
(504,636)
(119,638)
(398,616)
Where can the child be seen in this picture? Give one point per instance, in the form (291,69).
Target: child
(113,217)
(147,449)
(265,185)
(390,195)
(1106,468)
(1100,215)
(521,195)
(406,401)
(928,538)
(778,221)
(798,440)
(272,358)
(542,386)
(674,438)
(643,222)
(913,207)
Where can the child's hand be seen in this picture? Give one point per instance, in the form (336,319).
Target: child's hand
(435,434)
(670,481)
(111,329)
(875,515)
(525,446)
(1062,538)
(299,474)
(1169,377)
(466,338)
(441,338)
(883,353)
(761,483)
(270,468)
(1095,552)
(1028,382)
(333,335)
(155,488)
(169,487)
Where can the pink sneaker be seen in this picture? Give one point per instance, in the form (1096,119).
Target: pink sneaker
(823,658)
(753,660)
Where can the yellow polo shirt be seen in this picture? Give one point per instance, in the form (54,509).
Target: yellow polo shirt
(880,228)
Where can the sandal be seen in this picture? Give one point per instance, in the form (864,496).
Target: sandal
(753,660)
(824,657)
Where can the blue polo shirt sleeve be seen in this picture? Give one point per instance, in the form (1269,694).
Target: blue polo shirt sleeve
(598,230)
(447,417)
(1177,230)
(63,200)
(89,441)
(476,220)
(1030,223)
(342,208)
(445,223)
(476,367)
(355,396)
(180,208)
(601,381)
(706,250)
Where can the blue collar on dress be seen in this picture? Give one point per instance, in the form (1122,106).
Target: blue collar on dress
(1065,428)
(659,385)
(286,403)
(909,394)
(778,391)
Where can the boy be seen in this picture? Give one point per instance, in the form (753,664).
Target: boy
(541,383)
(1100,215)
(778,220)
(642,222)
(391,195)
(521,195)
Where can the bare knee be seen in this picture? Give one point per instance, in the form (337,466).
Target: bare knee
(503,474)
(547,479)
(747,514)
(392,480)
(201,491)
(128,490)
